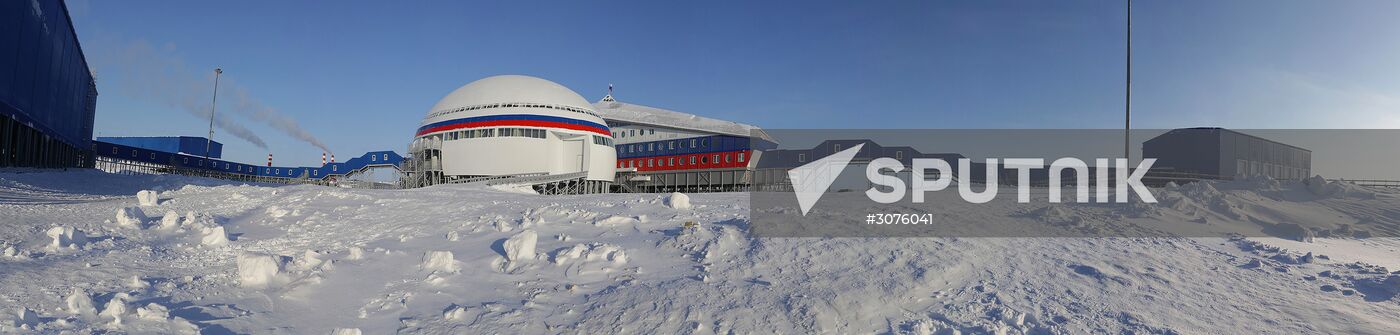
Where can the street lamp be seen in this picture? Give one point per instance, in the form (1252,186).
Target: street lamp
(209,141)
(1128,89)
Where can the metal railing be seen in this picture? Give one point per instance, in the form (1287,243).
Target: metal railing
(1370,182)
(532,179)
(489,178)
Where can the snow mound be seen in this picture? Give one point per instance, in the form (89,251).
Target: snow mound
(193,219)
(346,331)
(67,237)
(455,312)
(147,198)
(521,246)
(584,259)
(137,283)
(355,254)
(678,201)
(153,311)
(1336,189)
(129,217)
(170,221)
(257,270)
(115,309)
(80,304)
(214,236)
(613,220)
(439,261)
(277,212)
(1055,214)
(312,260)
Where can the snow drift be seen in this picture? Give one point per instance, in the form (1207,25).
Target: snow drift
(421,261)
(257,270)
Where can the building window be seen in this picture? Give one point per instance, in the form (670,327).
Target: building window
(671,161)
(727,157)
(898,155)
(599,140)
(836,148)
(692,160)
(741,156)
(715,159)
(692,143)
(801,158)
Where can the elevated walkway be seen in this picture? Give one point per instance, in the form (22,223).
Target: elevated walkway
(113,157)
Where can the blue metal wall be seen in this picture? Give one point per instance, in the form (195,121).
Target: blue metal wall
(45,82)
(683,146)
(173,159)
(193,146)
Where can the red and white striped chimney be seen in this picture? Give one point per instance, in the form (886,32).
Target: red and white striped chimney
(332,158)
(269,159)
(323,158)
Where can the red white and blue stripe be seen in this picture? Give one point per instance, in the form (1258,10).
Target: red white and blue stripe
(515,120)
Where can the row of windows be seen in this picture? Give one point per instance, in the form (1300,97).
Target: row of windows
(1276,171)
(186,161)
(633,132)
(680,161)
(667,145)
(503,105)
(599,140)
(1257,149)
(494,132)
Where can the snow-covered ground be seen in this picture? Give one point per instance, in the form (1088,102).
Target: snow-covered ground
(82,253)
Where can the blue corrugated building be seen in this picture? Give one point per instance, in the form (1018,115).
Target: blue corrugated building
(189,145)
(47,93)
(1227,153)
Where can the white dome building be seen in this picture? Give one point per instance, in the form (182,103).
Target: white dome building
(513,125)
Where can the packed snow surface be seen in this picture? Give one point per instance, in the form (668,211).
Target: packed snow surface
(461,260)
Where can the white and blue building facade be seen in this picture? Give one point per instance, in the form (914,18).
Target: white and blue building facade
(661,150)
(512,125)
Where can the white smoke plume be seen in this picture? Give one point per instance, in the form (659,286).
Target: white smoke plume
(246,105)
(144,72)
(159,74)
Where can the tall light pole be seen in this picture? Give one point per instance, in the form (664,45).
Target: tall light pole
(1128,89)
(209,141)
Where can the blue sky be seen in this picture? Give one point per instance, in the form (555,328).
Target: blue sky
(360,75)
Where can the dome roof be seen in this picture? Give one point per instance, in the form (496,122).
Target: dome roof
(512,89)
